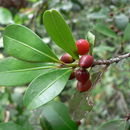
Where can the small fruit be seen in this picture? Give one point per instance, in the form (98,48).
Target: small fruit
(82,75)
(78,123)
(82,87)
(86,61)
(66,58)
(82,46)
(72,76)
(111,14)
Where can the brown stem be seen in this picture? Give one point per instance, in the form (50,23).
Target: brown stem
(112,60)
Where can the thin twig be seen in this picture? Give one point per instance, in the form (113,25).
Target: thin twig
(38,11)
(100,75)
(112,60)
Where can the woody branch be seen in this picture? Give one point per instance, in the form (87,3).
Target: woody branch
(112,60)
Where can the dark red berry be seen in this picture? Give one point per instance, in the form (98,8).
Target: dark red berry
(82,46)
(111,14)
(82,87)
(86,61)
(82,75)
(78,123)
(112,27)
(72,76)
(66,58)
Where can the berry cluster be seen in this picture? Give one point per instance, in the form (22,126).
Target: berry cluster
(85,61)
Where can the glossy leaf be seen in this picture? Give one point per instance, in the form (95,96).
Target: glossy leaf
(114,125)
(46,87)
(10,126)
(60,32)
(127,33)
(103,29)
(14,72)
(22,43)
(5,16)
(57,115)
(79,105)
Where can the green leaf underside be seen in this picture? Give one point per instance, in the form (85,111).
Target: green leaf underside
(114,125)
(22,43)
(46,87)
(58,117)
(14,72)
(126,36)
(103,29)
(10,126)
(60,32)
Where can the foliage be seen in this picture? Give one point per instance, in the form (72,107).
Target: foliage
(105,26)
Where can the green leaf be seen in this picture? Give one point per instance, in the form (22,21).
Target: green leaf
(5,16)
(14,72)
(57,115)
(127,33)
(114,125)
(60,32)
(22,43)
(91,39)
(79,105)
(46,87)
(45,124)
(10,126)
(103,29)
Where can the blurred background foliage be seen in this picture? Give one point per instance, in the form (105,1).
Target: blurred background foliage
(109,21)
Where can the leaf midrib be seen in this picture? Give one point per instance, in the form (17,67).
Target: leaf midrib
(28,69)
(53,82)
(34,49)
(40,93)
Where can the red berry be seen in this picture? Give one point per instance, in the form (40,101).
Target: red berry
(78,123)
(82,87)
(82,75)
(66,58)
(86,61)
(111,14)
(72,76)
(82,46)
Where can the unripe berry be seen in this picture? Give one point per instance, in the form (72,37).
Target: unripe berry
(86,61)
(82,87)
(82,75)
(82,46)
(72,76)
(66,58)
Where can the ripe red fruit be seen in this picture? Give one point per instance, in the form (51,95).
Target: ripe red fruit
(72,76)
(66,58)
(82,46)
(82,87)
(82,75)
(86,61)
